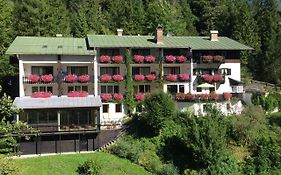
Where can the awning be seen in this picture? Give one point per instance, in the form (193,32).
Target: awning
(57,102)
(234,82)
(206,85)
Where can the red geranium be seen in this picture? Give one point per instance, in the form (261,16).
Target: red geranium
(117,77)
(77,94)
(181,59)
(150,59)
(150,77)
(207,58)
(71,78)
(214,96)
(138,58)
(184,77)
(139,77)
(106,97)
(227,95)
(180,97)
(117,59)
(41,94)
(190,97)
(208,78)
(105,77)
(47,78)
(84,78)
(171,77)
(139,96)
(105,59)
(33,78)
(204,97)
(170,59)
(118,96)
(218,58)
(217,77)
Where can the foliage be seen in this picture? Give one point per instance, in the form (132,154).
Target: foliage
(268,102)
(8,167)
(89,167)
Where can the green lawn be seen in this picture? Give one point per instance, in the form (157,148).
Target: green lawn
(67,164)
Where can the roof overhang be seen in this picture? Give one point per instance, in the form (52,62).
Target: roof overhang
(206,85)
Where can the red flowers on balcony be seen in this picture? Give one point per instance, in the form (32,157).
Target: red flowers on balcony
(214,96)
(185,97)
(118,96)
(71,78)
(77,94)
(138,58)
(106,97)
(170,59)
(104,59)
(117,78)
(208,78)
(41,94)
(139,96)
(181,59)
(139,77)
(47,78)
(217,77)
(171,77)
(33,78)
(207,58)
(84,78)
(150,59)
(117,59)
(184,77)
(105,78)
(227,95)
(204,97)
(150,77)
(218,58)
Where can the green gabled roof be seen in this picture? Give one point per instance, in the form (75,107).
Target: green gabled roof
(194,42)
(48,46)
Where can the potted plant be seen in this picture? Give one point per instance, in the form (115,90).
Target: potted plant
(106,97)
(117,77)
(84,78)
(138,58)
(33,78)
(150,77)
(71,78)
(171,77)
(47,78)
(184,77)
(118,96)
(170,58)
(105,78)
(139,77)
(181,59)
(105,59)
(117,59)
(150,59)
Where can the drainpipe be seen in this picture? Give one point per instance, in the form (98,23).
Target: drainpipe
(191,73)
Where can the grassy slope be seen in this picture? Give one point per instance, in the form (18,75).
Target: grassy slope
(67,164)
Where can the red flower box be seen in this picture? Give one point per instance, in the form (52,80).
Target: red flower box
(84,78)
(190,97)
(105,59)
(207,58)
(150,77)
(227,95)
(117,59)
(171,77)
(77,94)
(217,77)
(117,77)
(170,59)
(106,97)
(117,96)
(150,59)
(41,94)
(214,96)
(218,58)
(138,58)
(181,59)
(105,78)
(139,77)
(139,96)
(208,78)
(71,78)
(33,78)
(204,97)
(184,77)
(47,78)
(180,97)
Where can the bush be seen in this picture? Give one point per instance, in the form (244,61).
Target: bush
(269,102)
(169,169)
(150,161)
(90,167)
(7,166)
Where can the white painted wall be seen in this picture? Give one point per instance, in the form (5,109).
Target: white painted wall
(111,116)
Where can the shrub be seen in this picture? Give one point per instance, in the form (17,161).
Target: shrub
(268,103)
(8,167)
(150,161)
(169,169)
(89,167)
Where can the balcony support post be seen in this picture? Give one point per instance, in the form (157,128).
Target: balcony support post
(58,120)
(95,75)
(21,75)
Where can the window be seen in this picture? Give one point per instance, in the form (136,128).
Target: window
(77,117)
(118,107)
(42,89)
(171,70)
(109,89)
(198,89)
(141,70)
(105,108)
(181,88)
(41,70)
(142,89)
(143,52)
(109,70)
(175,52)
(77,70)
(225,71)
(77,88)
(109,52)
(173,89)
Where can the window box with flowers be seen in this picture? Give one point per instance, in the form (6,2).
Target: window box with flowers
(208,78)
(171,77)
(184,77)
(218,59)
(138,58)
(227,95)
(150,77)
(70,78)
(118,96)
(106,97)
(84,78)
(104,59)
(150,59)
(181,59)
(139,77)
(170,59)
(41,94)
(204,97)
(117,59)
(139,96)
(77,94)
(207,58)
(213,96)
(33,78)
(105,78)
(117,77)
(47,78)
(218,78)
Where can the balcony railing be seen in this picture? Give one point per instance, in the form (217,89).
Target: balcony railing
(172,59)
(209,59)
(177,77)
(28,80)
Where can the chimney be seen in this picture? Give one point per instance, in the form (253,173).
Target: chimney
(119,32)
(214,35)
(159,35)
